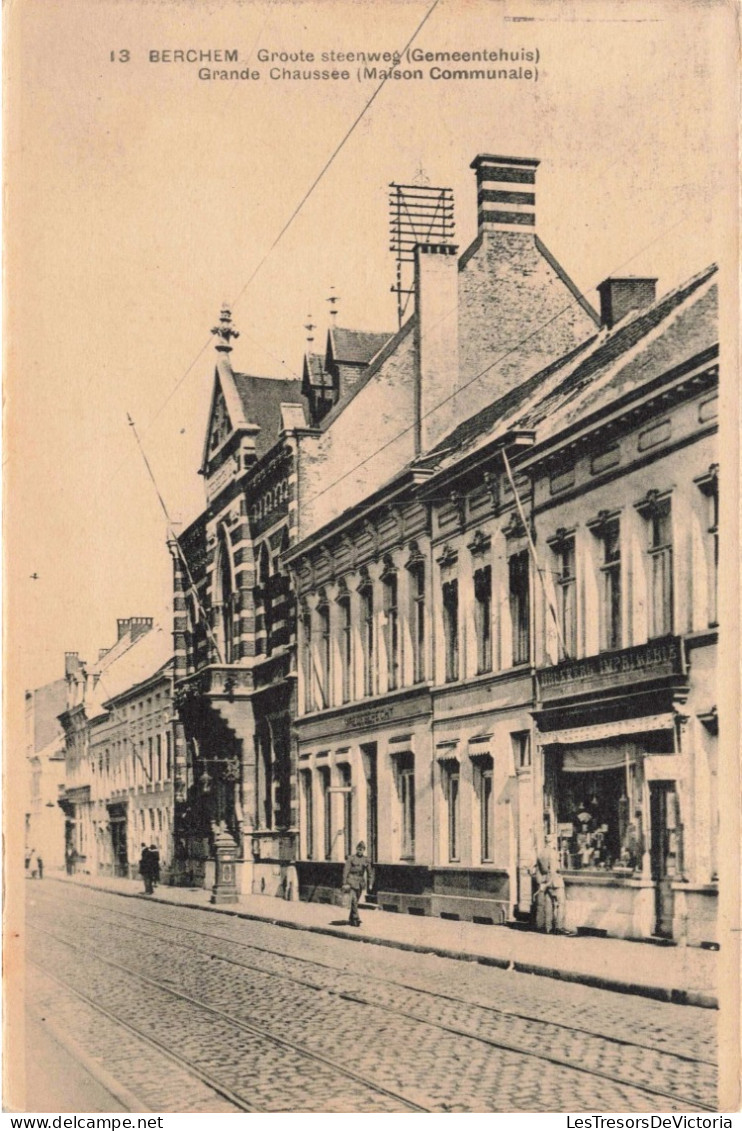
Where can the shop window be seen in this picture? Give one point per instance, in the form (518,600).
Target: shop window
(483,617)
(417,585)
(610,612)
(452,793)
(451,629)
(406,792)
(308,813)
(391,627)
(484,774)
(598,808)
(367,636)
(519,606)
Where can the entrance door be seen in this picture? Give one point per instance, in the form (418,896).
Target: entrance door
(118,843)
(370,770)
(665,847)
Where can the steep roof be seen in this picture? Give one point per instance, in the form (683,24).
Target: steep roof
(126,665)
(355,347)
(642,346)
(261,399)
(314,370)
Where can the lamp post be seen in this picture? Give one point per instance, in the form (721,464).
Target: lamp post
(225,846)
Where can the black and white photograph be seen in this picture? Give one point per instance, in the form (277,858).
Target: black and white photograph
(371,621)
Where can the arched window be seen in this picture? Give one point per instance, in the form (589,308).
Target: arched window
(225,602)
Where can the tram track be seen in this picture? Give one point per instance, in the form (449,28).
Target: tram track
(545,1053)
(239,1024)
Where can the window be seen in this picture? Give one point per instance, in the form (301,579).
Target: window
(306,623)
(566,590)
(610,617)
(347,796)
(367,637)
(346,645)
(406,788)
(451,628)
(150,761)
(225,603)
(485,771)
(660,569)
(483,617)
(306,793)
(417,585)
(168,755)
(519,606)
(522,749)
(324,777)
(323,616)
(264,572)
(158,748)
(709,486)
(391,628)
(452,790)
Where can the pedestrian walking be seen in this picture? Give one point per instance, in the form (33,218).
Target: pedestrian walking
(549,897)
(154,856)
(40,866)
(356,879)
(33,864)
(145,869)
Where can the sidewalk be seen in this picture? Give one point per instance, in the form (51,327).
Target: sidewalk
(684,975)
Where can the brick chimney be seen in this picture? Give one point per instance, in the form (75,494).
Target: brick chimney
(619,296)
(72,663)
(506,193)
(134,626)
(436,341)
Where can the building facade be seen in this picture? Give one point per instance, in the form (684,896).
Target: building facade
(235,619)
(119,729)
(44,822)
(507,630)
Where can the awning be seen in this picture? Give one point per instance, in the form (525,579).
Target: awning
(590,759)
(606,730)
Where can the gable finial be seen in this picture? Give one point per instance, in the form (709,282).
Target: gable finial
(333,300)
(225,331)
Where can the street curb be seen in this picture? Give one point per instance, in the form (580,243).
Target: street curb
(675,996)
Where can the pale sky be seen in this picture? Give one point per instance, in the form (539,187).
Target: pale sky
(141,198)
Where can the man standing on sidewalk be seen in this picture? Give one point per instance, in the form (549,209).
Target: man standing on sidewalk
(356,878)
(145,870)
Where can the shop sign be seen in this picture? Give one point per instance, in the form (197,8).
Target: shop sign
(610,669)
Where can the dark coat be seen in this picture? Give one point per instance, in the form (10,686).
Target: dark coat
(357,872)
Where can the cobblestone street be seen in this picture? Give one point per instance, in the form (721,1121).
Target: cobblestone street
(189,1012)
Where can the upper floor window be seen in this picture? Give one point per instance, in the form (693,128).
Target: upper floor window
(566,597)
(520,611)
(483,617)
(417,587)
(611,628)
(521,749)
(306,623)
(709,486)
(367,636)
(657,514)
(391,627)
(346,644)
(451,628)
(323,619)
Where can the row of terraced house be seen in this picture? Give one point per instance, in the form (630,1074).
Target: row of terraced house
(452,593)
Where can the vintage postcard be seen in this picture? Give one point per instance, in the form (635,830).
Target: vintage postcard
(371,559)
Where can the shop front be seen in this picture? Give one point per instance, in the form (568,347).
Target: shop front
(617,766)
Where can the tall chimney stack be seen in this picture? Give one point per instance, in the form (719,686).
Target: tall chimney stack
(506,193)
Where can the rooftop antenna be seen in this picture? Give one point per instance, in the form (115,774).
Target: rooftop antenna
(418,213)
